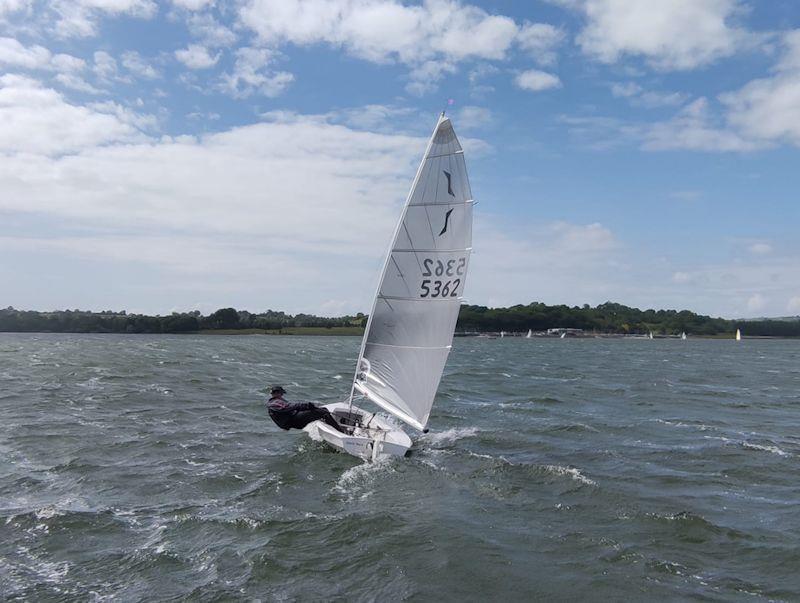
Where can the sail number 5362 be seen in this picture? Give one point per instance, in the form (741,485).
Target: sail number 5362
(439,287)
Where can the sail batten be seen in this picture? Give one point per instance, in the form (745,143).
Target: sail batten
(407,341)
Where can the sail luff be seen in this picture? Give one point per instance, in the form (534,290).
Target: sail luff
(389,255)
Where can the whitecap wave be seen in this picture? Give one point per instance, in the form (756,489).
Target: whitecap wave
(764,448)
(356,482)
(571,472)
(450,435)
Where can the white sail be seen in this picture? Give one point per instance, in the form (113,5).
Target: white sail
(530,333)
(410,328)
(738,335)
(683,335)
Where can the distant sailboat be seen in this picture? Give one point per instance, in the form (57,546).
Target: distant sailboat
(738,335)
(563,335)
(502,334)
(650,336)
(683,335)
(529,335)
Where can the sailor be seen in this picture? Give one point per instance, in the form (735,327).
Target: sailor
(296,415)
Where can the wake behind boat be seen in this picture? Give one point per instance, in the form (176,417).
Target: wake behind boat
(410,329)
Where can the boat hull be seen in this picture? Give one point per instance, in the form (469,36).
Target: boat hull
(374,438)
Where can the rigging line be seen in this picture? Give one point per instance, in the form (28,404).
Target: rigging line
(400,272)
(408,234)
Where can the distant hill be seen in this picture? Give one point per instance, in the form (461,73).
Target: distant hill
(605,318)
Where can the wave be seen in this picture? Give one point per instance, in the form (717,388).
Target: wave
(357,482)
(764,448)
(771,448)
(571,472)
(450,435)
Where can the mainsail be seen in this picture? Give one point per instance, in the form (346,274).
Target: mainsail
(410,328)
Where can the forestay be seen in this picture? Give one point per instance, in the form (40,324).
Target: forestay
(410,328)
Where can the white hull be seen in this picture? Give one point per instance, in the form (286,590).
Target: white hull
(375,438)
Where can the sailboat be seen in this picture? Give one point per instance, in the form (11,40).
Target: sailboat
(650,336)
(409,331)
(738,335)
(530,334)
(563,335)
(502,334)
(683,335)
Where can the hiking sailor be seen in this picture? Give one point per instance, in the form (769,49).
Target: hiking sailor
(296,415)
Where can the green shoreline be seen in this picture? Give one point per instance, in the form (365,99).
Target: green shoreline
(608,319)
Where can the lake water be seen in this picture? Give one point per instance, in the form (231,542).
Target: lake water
(144,468)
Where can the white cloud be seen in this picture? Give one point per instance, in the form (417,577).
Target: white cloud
(763,113)
(693,128)
(768,109)
(540,40)
(471,117)
(35,119)
(437,32)
(251,75)
(209,31)
(377,118)
(686,195)
(136,64)
(426,76)
(679,34)
(78,18)
(638,96)
(535,80)
(378,30)
(476,77)
(750,286)
(105,66)
(68,63)
(14,54)
(8,7)
(760,248)
(756,302)
(76,82)
(280,200)
(196,57)
(577,261)
(193,4)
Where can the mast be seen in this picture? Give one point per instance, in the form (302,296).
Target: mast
(388,258)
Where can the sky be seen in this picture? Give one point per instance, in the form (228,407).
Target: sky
(198,154)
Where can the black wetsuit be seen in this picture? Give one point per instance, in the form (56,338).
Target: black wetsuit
(296,415)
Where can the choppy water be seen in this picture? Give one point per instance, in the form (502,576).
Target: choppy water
(144,468)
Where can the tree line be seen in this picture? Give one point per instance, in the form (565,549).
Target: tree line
(613,318)
(607,318)
(80,321)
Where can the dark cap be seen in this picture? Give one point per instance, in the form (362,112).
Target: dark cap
(277,390)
